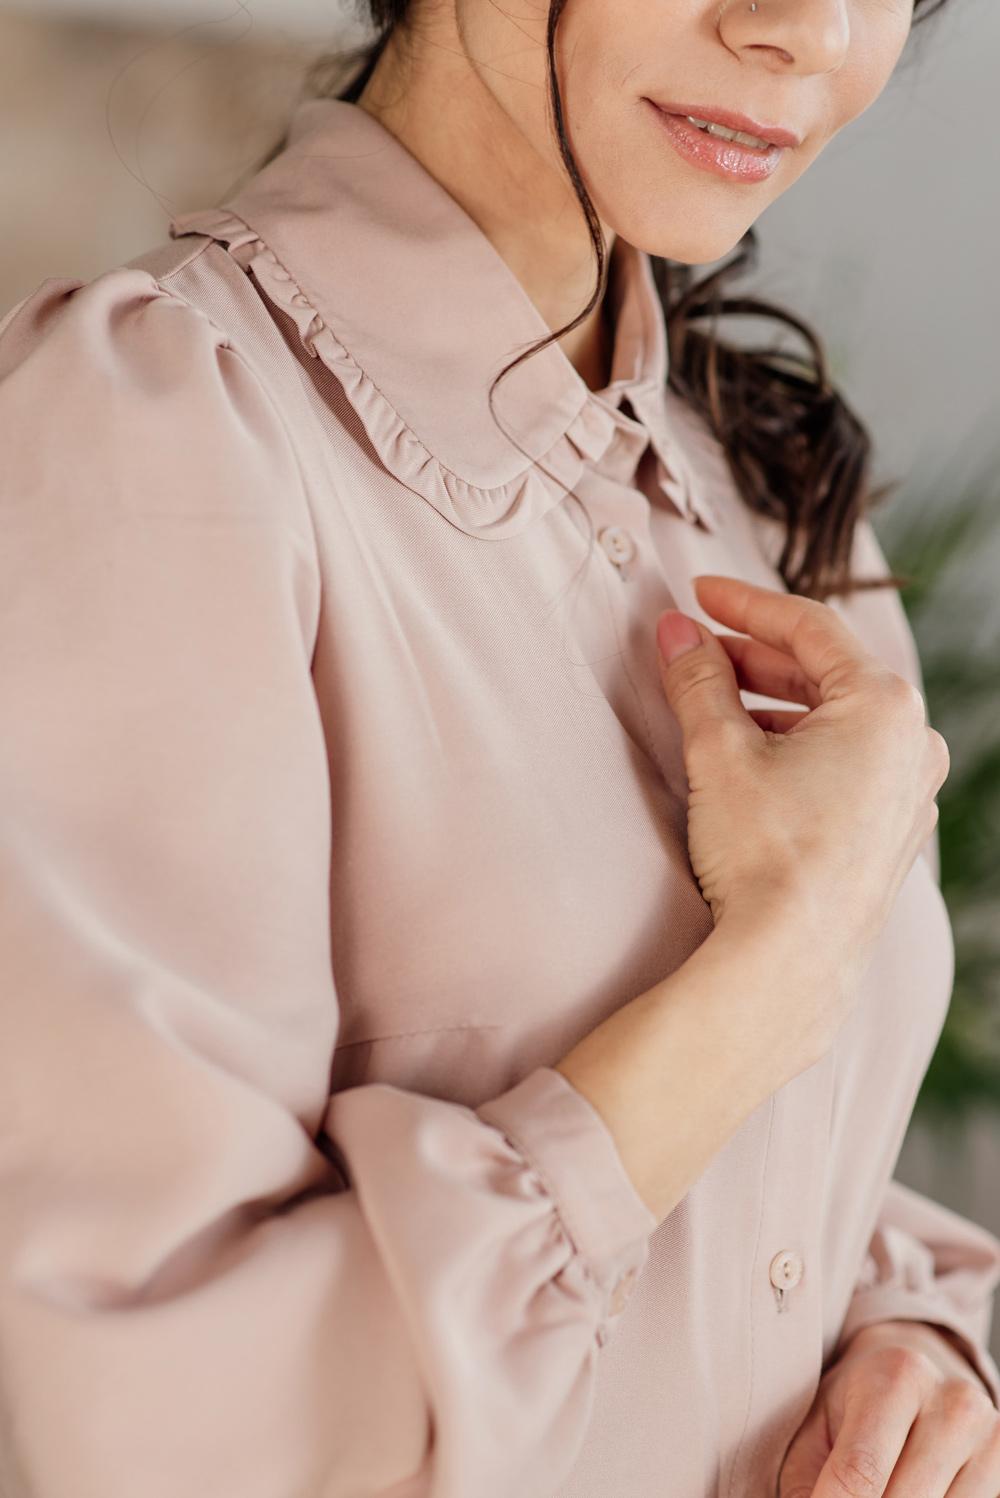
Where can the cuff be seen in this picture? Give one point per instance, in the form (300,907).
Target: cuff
(569,1145)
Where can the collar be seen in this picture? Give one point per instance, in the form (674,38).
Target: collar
(394,287)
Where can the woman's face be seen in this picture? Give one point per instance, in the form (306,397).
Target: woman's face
(635,73)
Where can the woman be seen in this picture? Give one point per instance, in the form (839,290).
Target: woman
(332,586)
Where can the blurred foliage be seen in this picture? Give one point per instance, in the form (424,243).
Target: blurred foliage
(946,544)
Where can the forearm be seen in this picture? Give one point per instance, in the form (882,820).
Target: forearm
(677,1071)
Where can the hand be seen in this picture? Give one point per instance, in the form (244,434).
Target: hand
(811,817)
(802,826)
(901,1414)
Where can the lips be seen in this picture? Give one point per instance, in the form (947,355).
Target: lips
(741,137)
(723,143)
(729,119)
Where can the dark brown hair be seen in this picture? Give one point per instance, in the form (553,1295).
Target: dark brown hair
(797,452)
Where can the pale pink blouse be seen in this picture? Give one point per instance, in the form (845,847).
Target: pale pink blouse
(339,799)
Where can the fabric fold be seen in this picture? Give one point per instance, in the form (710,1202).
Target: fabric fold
(927,1264)
(191,1300)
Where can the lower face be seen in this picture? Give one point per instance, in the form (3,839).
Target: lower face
(688,117)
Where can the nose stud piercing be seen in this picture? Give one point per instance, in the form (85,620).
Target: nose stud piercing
(753,7)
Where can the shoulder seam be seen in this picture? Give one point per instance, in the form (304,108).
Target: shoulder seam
(196,250)
(186,254)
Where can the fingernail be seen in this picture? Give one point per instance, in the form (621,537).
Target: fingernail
(675,634)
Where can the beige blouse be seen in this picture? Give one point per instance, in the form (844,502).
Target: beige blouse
(339,800)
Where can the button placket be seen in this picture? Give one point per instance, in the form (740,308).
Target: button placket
(626,668)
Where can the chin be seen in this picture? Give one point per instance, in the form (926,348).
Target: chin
(689,254)
(676,223)
(688,244)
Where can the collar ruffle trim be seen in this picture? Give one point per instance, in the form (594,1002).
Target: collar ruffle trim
(492,514)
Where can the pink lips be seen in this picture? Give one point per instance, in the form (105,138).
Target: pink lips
(715,154)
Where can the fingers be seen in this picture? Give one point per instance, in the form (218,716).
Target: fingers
(899,1375)
(806,1457)
(827,652)
(698,678)
(761,668)
(947,1434)
(980,1477)
(878,1415)
(777,720)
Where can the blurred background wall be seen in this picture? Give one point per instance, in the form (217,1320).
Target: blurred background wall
(110,124)
(117,114)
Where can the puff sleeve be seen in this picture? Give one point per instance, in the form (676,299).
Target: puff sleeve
(194,1297)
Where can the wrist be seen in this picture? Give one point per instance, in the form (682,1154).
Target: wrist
(790,928)
(760,973)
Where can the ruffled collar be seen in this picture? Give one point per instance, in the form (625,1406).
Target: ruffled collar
(394,287)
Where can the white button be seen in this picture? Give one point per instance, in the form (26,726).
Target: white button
(787,1269)
(621,1294)
(618,545)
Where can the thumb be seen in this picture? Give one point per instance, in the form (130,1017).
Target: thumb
(697,675)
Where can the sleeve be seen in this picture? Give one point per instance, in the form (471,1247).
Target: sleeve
(194,1298)
(927,1264)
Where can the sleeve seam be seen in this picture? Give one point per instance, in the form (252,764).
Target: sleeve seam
(226,342)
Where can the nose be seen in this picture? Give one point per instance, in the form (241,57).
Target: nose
(792,36)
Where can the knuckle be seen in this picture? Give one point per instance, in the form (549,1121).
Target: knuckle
(904,1366)
(905,702)
(691,673)
(857,1473)
(963,1404)
(728,736)
(939,756)
(817,614)
(713,748)
(813,618)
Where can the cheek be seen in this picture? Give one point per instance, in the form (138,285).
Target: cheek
(602,45)
(878,36)
(639,186)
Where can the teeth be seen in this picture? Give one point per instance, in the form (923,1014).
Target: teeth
(739,136)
